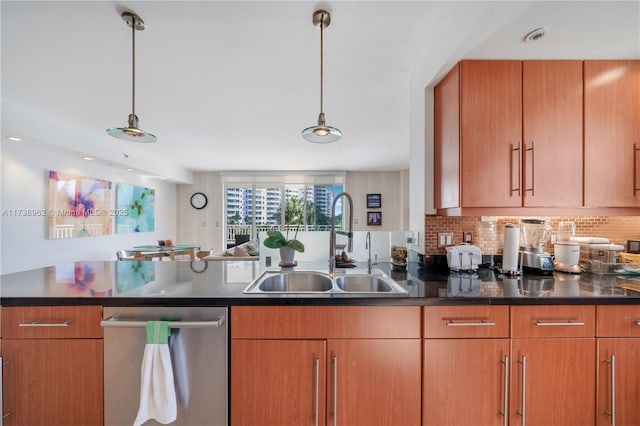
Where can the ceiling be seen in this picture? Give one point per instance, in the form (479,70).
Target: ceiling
(230,85)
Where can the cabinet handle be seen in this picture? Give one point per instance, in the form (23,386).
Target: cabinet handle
(335,390)
(523,408)
(533,168)
(317,365)
(558,324)
(35,323)
(478,323)
(7,414)
(114,321)
(637,322)
(612,413)
(505,400)
(519,171)
(635,169)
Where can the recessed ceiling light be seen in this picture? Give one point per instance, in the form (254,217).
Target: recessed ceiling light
(13,138)
(535,35)
(129,170)
(87,158)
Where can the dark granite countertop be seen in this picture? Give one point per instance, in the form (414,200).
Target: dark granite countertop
(221,283)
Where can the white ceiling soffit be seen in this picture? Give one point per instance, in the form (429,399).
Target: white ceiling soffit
(230,85)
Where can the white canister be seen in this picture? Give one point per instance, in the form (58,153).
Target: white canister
(567,253)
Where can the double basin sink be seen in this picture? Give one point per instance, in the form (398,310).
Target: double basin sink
(317,282)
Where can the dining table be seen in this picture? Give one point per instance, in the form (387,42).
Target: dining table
(152,251)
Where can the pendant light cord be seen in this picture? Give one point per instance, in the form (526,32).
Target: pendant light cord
(133,68)
(321,60)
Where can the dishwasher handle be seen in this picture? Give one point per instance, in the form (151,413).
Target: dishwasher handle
(114,321)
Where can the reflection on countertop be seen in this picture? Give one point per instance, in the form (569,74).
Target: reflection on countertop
(223,282)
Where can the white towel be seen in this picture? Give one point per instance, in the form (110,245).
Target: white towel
(157,391)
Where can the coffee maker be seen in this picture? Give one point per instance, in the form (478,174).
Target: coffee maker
(534,234)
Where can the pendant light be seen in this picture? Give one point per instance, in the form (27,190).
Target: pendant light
(321,133)
(132,132)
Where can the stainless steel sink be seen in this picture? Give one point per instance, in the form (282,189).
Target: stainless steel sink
(296,282)
(317,282)
(362,283)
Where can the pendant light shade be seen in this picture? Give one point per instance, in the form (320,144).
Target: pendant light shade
(132,132)
(321,133)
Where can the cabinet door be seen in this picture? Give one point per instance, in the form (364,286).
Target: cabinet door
(374,382)
(53,382)
(464,382)
(552,133)
(278,382)
(446,140)
(491,129)
(552,381)
(620,402)
(612,133)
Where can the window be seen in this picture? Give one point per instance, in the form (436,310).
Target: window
(256,203)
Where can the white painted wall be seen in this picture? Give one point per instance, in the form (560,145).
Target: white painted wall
(204,226)
(25,185)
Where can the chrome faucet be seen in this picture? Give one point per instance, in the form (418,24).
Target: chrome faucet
(367,245)
(333,233)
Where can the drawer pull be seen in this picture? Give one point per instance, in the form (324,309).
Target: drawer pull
(480,323)
(44,324)
(7,414)
(559,324)
(637,322)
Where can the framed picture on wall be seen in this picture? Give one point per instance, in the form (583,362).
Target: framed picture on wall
(374,218)
(374,201)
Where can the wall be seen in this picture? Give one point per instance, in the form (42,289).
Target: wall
(25,186)
(489,234)
(204,226)
(393,187)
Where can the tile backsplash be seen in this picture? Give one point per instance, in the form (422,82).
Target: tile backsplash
(488,233)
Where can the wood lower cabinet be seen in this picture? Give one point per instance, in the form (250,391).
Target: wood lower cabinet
(325,365)
(465,365)
(618,383)
(553,354)
(612,133)
(53,366)
(278,382)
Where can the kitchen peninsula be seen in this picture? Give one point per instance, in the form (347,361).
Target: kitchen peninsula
(479,335)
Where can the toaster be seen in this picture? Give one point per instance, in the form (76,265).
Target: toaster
(464,257)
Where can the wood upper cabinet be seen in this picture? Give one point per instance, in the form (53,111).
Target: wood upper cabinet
(612,133)
(52,373)
(618,382)
(552,133)
(490,130)
(509,134)
(361,364)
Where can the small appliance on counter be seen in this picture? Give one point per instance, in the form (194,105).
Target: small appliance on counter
(567,257)
(464,257)
(534,234)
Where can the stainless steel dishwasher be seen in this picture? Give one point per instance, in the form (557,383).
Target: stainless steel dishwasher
(198,346)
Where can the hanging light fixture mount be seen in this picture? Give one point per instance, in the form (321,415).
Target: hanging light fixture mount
(132,132)
(321,133)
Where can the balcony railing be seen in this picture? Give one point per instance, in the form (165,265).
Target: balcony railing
(233,230)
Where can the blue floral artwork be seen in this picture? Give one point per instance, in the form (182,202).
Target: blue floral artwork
(139,205)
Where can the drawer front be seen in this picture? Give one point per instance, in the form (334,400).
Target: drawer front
(553,321)
(51,322)
(325,322)
(446,322)
(618,321)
